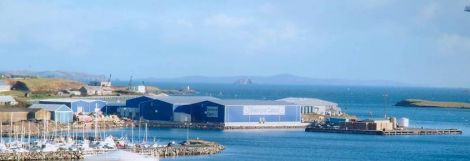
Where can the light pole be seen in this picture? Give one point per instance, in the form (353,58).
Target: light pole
(385,105)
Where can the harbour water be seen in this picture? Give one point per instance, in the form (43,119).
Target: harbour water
(364,102)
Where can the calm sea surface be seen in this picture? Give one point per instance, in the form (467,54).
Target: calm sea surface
(364,102)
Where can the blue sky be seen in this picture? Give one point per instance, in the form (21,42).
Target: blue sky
(419,42)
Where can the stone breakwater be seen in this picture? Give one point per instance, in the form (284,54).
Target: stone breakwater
(58,155)
(195,147)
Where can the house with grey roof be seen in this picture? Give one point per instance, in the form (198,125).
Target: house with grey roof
(7,101)
(4,86)
(60,113)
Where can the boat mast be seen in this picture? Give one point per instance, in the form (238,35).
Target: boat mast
(29,132)
(1,131)
(11,126)
(132,132)
(96,127)
(146,132)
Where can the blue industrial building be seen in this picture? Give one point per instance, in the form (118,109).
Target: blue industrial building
(169,108)
(244,111)
(113,103)
(59,113)
(78,105)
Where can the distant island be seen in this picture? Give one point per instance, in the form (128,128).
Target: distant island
(428,103)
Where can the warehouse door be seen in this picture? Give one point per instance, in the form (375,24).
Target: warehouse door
(79,109)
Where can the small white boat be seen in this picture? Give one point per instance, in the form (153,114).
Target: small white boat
(48,147)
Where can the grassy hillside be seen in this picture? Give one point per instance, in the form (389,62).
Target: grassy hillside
(36,85)
(428,103)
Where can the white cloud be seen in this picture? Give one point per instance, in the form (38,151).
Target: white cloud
(184,22)
(428,12)
(51,25)
(372,4)
(222,20)
(453,44)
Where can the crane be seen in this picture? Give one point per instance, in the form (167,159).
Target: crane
(145,87)
(130,83)
(109,79)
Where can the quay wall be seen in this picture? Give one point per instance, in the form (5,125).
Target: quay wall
(408,131)
(224,126)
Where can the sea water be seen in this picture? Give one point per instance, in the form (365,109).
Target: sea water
(364,102)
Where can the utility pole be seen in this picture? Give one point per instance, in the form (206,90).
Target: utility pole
(385,105)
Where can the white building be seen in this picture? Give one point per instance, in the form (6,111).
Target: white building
(138,89)
(7,101)
(314,105)
(4,87)
(100,83)
(95,91)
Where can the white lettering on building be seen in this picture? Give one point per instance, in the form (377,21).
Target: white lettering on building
(264,110)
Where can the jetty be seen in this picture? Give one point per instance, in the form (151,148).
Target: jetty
(408,131)
(389,126)
(188,148)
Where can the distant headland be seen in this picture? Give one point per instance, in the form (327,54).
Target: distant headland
(428,103)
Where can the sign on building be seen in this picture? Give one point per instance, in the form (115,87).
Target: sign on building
(263,110)
(212,111)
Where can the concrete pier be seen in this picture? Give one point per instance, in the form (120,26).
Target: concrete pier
(407,131)
(224,126)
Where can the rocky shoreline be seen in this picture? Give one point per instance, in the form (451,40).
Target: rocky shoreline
(59,155)
(193,147)
(189,148)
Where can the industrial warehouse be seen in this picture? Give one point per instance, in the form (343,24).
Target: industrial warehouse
(222,113)
(181,111)
(78,105)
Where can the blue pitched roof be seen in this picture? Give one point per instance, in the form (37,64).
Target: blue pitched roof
(249,102)
(183,100)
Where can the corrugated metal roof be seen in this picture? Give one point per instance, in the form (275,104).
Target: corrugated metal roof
(19,109)
(112,100)
(250,102)
(50,107)
(7,99)
(3,83)
(182,100)
(69,100)
(308,101)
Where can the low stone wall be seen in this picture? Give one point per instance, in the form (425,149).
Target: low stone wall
(59,155)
